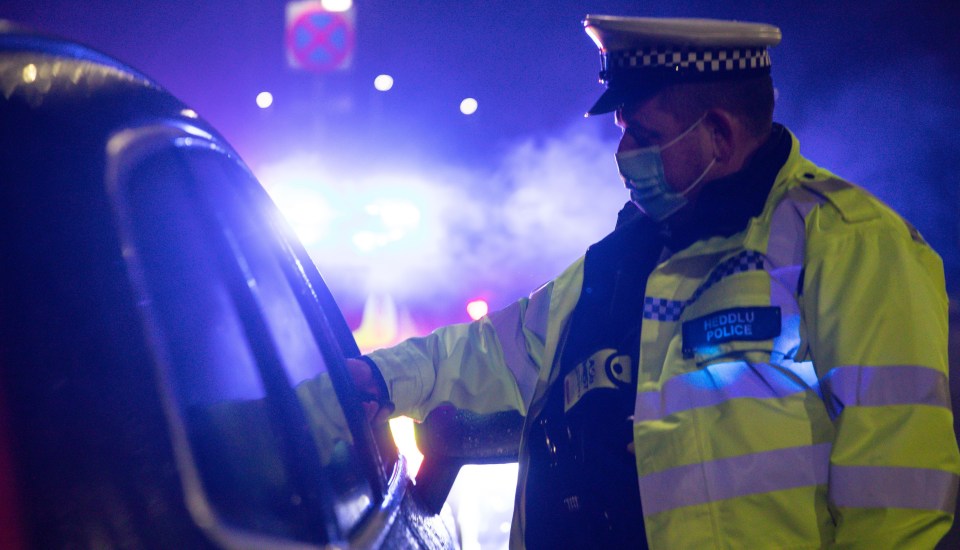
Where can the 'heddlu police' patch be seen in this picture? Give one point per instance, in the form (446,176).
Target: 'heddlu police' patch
(739,323)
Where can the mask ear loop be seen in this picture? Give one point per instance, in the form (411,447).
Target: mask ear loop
(685,132)
(698,180)
(705,170)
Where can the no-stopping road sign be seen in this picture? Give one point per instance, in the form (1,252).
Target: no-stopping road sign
(318,40)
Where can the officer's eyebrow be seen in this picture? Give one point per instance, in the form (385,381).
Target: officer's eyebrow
(640,133)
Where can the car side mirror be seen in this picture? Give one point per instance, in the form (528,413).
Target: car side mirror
(450,438)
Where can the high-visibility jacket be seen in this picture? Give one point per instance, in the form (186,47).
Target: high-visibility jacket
(792,387)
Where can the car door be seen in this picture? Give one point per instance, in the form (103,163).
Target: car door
(270,440)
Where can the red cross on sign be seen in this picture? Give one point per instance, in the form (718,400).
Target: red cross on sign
(319,40)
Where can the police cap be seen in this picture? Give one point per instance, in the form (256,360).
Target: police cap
(639,56)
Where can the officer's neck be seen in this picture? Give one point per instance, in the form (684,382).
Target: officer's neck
(725,205)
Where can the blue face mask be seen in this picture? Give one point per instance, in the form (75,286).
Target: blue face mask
(642,171)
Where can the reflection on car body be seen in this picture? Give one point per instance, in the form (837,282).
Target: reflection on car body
(171,362)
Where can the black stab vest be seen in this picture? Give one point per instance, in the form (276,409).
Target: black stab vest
(582,488)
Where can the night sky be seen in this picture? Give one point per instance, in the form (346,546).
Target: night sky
(512,194)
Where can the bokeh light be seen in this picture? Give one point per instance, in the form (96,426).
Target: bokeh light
(468,106)
(396,219)
(383,82)
(306,209)
(336,5)
(477,309)
(264,100)
(30,73)
(403,435)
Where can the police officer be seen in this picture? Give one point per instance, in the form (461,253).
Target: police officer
(757,359)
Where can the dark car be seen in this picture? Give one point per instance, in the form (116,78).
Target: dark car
(171,362)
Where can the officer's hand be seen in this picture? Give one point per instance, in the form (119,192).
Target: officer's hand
(376,406)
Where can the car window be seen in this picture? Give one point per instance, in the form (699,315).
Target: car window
(248,372)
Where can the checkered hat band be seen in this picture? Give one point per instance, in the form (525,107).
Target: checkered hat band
(661,309)
(726,60)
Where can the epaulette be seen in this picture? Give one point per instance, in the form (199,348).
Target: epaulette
(854,204)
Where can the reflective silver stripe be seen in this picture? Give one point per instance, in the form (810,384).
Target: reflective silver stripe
(715,384)
(787,344)
(893,487)
(787,238)
(734,477)
(507,323)
(538,311)
(878,386)
(786,244)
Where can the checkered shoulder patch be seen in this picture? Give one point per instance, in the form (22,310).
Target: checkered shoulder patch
(664,310)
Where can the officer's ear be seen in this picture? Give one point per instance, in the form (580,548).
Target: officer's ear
(724,135)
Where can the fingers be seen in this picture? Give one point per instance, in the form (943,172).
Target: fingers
(370,409)
(376,407)
(377,413)
(362,377)
(383,414)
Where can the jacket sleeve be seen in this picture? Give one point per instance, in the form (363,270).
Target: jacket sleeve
(486,366)
(875,313)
